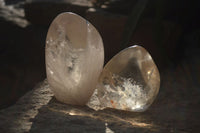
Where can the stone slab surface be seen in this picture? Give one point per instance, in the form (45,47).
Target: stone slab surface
(176,109)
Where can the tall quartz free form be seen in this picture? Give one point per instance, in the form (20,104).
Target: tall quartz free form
(74,58)
(129,81)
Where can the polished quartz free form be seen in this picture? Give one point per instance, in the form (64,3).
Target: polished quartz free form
(129,81)
(74,58)
(74,61)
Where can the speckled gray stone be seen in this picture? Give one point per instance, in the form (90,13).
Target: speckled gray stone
(38,111)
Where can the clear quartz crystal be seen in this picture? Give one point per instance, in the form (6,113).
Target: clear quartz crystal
(74,58)
(129,81)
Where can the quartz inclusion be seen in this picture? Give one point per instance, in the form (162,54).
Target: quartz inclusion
(74,58)
(129,81)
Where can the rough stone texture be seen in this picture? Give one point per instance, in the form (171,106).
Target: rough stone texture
(20,68)
(176,109)
(12,13)
(19,117)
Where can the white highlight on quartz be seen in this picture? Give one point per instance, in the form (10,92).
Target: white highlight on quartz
(129,81)
(74,58)
(74,61)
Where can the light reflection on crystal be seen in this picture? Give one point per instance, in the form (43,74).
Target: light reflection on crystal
(121,91)
(108,130)
(130,81)
(103,116)
(74,58)
(51,72)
